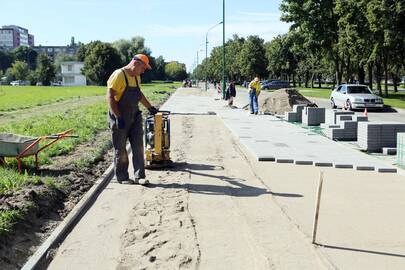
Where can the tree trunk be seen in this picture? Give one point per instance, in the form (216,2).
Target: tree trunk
(395,81)
(312,80)
(348,70)
(306,79)
(385,76)
(293,79)
(319,81)
(362,74)
(370,75)
(378,76)
(299,81)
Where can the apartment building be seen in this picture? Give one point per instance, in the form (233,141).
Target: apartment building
(13,36)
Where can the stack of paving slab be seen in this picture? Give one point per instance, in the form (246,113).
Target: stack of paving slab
(296,114)
(373,137)
(331,116)
(401,149)
(345,127)
(313,116)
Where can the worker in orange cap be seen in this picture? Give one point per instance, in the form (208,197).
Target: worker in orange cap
(125,118)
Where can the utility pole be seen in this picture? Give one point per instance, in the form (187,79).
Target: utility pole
(223,50)
(206,54)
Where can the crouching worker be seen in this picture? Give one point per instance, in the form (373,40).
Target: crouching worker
(125,118)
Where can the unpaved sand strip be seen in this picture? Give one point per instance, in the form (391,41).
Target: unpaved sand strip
(208,213)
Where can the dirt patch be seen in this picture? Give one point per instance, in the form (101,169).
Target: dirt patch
(281,101)
(46,206)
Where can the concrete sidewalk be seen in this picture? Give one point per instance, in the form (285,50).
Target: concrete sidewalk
(271,139)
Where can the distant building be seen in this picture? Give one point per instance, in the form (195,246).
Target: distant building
(52,51)
(71,73)
(13,36)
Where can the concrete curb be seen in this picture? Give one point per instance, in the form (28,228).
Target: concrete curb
(71,220)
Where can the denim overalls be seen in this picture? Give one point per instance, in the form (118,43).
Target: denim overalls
(133,131)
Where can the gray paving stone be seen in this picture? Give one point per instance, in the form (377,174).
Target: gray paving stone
(277,140)
(304,162)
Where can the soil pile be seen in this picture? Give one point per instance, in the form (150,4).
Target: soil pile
(282,100)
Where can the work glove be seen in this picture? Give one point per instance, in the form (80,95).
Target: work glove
(120,122)
(152,110)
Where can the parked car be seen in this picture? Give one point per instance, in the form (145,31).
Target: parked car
(355,96)
(56,83)
(18,82)
(275,84)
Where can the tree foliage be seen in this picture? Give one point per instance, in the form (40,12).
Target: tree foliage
(20,70)
(25,54)
(45,71)
(100,61)
(175,71)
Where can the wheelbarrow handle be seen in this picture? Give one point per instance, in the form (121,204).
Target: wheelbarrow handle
(59,136)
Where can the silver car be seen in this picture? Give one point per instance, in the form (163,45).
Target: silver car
(355,96)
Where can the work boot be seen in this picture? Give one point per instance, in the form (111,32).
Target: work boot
(143,181)
(133,182)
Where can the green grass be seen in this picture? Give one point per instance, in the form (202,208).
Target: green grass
(10,181)
(8,218)
(396,100)
(22,97)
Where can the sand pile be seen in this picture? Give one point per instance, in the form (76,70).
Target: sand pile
(281,101)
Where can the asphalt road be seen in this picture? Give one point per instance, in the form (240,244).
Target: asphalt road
(387,115)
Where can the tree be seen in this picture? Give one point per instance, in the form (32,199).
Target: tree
(317,20)
(128,48)
(45,71)
(20,70)
(159,68)
(26,54)
(100,62)
(5,60)
(175,71)
(252,58)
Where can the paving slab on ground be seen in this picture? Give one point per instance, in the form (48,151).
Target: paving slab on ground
(269,138)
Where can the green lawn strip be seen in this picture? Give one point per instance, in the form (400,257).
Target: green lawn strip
(396,100)
(22,97)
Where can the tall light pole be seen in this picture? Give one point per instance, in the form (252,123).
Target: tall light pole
(206,54)
(223,50)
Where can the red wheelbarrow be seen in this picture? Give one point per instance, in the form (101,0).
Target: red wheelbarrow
(18,146)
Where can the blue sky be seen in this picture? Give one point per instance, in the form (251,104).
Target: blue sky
(174,29)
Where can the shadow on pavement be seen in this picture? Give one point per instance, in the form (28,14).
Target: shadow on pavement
(238,188)
(363,251)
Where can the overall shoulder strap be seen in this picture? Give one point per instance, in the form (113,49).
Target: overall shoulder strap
(137,84)
(125,76)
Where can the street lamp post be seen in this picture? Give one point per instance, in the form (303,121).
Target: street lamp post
(223,50)
(206,54)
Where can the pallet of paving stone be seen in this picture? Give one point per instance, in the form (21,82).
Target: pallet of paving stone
(401,149)
(313,116)
(375,136)
(332,114)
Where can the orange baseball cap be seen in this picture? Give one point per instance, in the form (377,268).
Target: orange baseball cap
(143,58)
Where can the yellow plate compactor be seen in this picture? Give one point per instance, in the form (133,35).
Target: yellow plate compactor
(157,140)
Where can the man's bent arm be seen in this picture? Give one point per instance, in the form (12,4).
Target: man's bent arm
(144,101)
(113,104)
